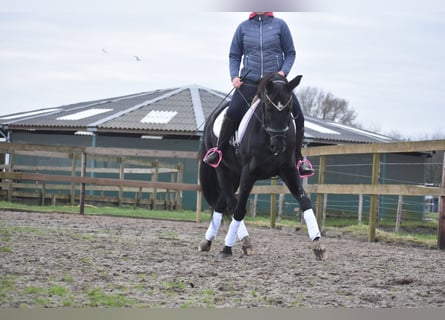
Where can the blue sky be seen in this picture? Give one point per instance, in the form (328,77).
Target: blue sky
(388,64)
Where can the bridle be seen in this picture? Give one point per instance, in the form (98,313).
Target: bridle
(276,132)
(279,107)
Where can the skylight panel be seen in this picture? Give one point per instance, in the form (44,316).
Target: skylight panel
(84,114)
(366,133)
(318,128)
(157,116)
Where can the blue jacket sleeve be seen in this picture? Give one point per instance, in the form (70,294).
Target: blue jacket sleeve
(235,54)
(287,45)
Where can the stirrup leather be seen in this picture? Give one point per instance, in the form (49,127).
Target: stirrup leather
(214,149)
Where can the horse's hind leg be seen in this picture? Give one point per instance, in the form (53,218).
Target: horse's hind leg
(215,222)
(246,184)
(211,232)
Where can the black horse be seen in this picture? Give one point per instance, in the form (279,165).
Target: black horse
(266,149)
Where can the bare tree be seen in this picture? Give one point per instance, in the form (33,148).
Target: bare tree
(326,106)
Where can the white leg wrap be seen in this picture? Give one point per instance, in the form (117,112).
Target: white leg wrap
(232,233)
(213,228)
(312,224)
(242,231)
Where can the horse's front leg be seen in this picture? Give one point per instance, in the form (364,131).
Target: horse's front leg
(246,184)
(292,180)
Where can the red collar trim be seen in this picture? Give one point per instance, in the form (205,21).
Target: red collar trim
(253,14)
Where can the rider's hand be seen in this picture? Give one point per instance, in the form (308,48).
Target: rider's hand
(236,82)
(281,72)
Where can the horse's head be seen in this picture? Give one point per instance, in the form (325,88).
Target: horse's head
(276,96)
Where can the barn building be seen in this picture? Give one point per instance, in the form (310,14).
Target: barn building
(173,119)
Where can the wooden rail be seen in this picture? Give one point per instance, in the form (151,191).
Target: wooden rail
(50,181)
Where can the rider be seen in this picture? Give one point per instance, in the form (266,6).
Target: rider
(265,44)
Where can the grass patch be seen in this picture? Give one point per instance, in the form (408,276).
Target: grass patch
(98,298)
(7,284)
(402,238)
(130,212)
(33,290)
(45,296)
(6,249)
(57,291)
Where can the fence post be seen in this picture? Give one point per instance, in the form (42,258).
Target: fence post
(374,205)
(280,206)
(273,213)
(360,208)
(198,198)
(179,179)
(83,172)
(399,214)
(11,169)
(120,197)
(441,224)
(73,174)
(253,205)
(154,178)
(321,170)
(325,206)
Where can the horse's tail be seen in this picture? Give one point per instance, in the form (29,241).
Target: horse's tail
(208,180)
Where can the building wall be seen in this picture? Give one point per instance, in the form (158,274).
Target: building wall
(190,165)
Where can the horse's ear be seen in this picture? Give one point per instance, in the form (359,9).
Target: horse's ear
(269,86)
(294,82)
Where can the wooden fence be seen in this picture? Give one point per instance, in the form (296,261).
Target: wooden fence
(12,177)
(80,181)
(374,188)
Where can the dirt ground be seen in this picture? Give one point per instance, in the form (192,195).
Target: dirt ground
(61,260)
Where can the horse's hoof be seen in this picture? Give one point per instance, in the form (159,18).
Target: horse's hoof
(204,245)
(247,247)
(225,253)
(319,250)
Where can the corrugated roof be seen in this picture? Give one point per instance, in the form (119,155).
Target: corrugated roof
(174,111)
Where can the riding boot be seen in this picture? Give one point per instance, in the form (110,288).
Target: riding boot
(304,167)
(213,156)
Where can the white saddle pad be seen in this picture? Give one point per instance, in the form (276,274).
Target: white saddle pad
(243,124)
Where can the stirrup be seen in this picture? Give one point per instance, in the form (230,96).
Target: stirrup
(214,149)
(309,164)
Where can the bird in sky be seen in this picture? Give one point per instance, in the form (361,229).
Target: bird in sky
(137,58)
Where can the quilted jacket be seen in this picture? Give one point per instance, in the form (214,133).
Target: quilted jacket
(264,44)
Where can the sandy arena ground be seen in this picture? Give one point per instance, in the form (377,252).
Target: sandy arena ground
(57,260)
